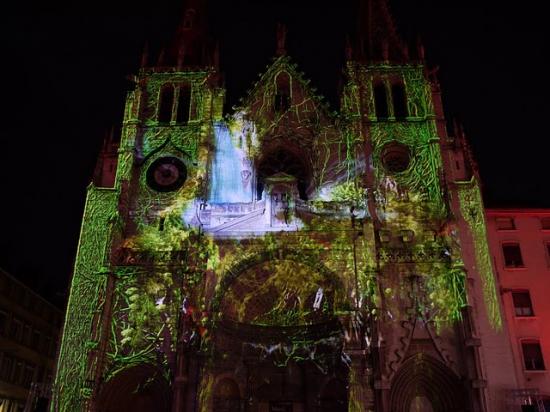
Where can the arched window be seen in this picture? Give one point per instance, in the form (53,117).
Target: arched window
(184,104)
(188,19)
(166,102)
(282,96)
(380,101)
(399,101)
(283,161)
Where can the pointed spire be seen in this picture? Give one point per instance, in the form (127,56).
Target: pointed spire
(281,39)
(420,49)
(378,33)
(145,55)
(216,57)
(181,56)
(160,61)
(190,40)
(349,49)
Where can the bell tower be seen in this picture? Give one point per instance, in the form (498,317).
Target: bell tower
(438,314)
(163,148)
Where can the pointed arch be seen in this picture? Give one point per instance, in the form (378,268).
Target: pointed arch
(283,95)
(250,261)
(227,396)
(421,376)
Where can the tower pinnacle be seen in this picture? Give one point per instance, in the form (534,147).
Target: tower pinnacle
(190,46)
(377,33)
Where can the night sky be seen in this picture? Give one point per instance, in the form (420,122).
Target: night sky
(64,82)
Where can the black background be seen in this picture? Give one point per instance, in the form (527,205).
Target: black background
(64,82)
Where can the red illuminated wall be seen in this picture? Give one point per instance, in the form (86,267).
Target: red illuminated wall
(529,274)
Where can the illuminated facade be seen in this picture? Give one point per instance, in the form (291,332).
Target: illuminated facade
(284,258)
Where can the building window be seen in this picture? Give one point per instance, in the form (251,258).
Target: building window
(380,101)
(188,19)
(505,223)
(184,104)
(27,331)
(522,303)
(399,101)
(532,356)
(3,323)
(512,255)
(28,375)
(17,377)
(46,345)
(545,223)
(283,97)
(6,369)
(16,329)
(282,101)
(166,101)
(35,342)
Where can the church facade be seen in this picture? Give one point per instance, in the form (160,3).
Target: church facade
(284,257)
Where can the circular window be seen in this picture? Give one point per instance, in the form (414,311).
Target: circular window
(166,174)
(395,157)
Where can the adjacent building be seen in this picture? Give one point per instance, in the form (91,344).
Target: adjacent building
(520,248)
(29,330)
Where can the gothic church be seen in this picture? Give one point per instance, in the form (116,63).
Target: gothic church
(283,257)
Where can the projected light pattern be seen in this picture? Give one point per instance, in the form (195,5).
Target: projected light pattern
(231,180)
(280,264)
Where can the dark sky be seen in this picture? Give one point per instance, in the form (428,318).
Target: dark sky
(64,80)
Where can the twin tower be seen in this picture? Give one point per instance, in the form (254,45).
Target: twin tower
(284,258)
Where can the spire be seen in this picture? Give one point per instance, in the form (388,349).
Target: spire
(281,39)
(190,41)
(420,49)
(378,34)
(349,49)
(145,55)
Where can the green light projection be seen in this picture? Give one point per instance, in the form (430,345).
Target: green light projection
(169,264)
(471,206)
(87,289)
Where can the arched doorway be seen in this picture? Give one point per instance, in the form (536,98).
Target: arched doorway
(227,396)
(334,397)
(426,384)
(421,404)
(139,389)
(278,335)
